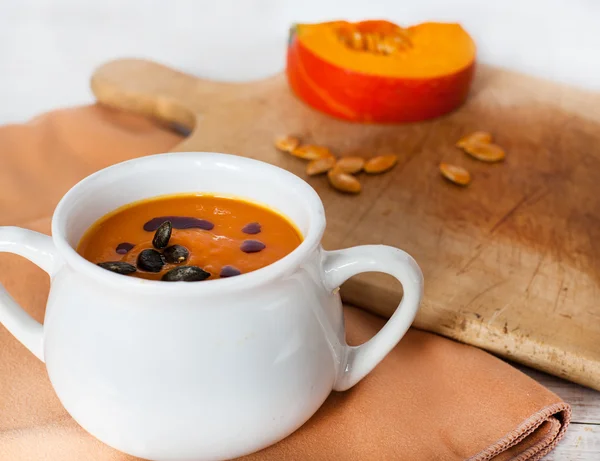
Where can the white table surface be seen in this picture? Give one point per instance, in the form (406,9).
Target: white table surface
(49,48)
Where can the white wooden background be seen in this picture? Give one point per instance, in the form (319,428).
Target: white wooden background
(48,49)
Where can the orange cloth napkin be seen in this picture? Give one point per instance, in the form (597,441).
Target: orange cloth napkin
(430,399)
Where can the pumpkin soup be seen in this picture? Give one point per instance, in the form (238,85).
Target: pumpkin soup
(189,237)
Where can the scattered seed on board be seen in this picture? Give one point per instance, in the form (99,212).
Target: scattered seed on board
(477,136)
(343,182)
(456,174)
(380,164)
(311,152)
(229,271)
(119,267)
(124,248)
(178,222)
(286,143)
(350,165)
(486,152)
(252,228)
(252,246)
(176,254)
(186,274)
(162,235)
(320,166)
(150,260)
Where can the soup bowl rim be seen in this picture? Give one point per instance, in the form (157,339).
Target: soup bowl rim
(286,265)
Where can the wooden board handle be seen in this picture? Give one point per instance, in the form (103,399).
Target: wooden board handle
(154,90)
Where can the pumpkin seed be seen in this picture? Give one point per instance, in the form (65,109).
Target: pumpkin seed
(251,228)
(456,174)
(311,152)
(124,248)
(252,246)
(186,274)
(477,136)
(150,260)
(162,235)
(320,165)
(178,222)
(380,164)
(343,182)
(286,143)
(370,41)
(118,267)
(350,165)
(176,254)
(485,152)
(229,271)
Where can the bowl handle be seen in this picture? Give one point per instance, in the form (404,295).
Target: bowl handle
(39,249)
(339,266)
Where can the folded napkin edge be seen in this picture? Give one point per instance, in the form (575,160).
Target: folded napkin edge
(561,410)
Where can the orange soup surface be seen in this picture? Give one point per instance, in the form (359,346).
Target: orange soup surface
(200,237)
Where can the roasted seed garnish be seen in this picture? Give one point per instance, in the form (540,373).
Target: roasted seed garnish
(229,271)
(343,182)
(186,274)
(252,246)
(286,143)
(320,165)
(456,174)
(485,152)
(380,164)
(176,254)
(477,136)
(311,152)
(119,267)
(162,235)
(251,228)
(150,260)
(350,165)
(179,222)
(124,248)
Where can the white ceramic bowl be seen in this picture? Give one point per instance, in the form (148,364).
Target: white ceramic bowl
(207,370)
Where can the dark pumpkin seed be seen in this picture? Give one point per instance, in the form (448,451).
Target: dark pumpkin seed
(176,254)
(229,271)
(252,246)
(124,248)
(179,222)
(119,267)
(251,228)
(150,261)
(162,235)
(186,274)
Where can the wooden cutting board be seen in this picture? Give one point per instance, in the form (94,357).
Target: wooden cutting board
(511,263)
